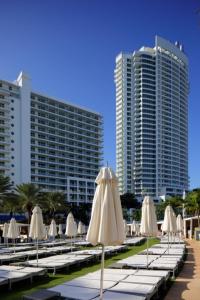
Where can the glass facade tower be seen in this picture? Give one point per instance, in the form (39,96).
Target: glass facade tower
(152,120)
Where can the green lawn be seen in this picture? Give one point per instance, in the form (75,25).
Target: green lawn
(22,288)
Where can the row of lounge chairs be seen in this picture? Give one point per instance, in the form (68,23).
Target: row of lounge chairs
(73,258)
(118,284)
(24,255)
(11,274)
(159,257)
(135,283)
(134,241)
(130,278)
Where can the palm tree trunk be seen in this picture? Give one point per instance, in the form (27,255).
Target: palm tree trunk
(29,216)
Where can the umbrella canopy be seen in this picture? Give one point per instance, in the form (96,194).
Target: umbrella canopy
(179,223)
(37,230)
(137,229)
(13,230)
(75,228)
(46,231)
(174,220)
(5,230)
(133,227)
(148,220)
(81,228)
(71,227)
(106,224)
(60,232)
(125,227)
(169,223)
(53,228)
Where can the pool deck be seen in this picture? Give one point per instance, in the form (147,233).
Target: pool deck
(187,284)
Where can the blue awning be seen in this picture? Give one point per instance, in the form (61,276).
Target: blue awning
(6,218)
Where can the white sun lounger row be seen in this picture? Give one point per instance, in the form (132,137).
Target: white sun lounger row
(109,250)
(66,260)
(82,243)
(161,262)
(59,261)
(118,284)
(162,251)
(172,240)
(32,253)
(11,249)
(159,258)
(172,246)
(134,241)
(137,261)
(10,274)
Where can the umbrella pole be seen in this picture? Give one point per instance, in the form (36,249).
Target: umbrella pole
(71,243)
(14,244)
(37,250)
(147,251)
(168,242)
(102,273)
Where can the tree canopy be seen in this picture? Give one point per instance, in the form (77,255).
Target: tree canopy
(192,203)
(128,200)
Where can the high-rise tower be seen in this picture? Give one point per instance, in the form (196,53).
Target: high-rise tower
(152,120)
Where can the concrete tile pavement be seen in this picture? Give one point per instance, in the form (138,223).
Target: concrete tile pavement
(187,284)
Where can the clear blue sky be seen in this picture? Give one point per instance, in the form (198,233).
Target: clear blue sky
(68,47)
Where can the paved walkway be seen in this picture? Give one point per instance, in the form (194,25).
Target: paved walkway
(187,284)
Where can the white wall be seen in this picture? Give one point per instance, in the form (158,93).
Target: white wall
(24,127)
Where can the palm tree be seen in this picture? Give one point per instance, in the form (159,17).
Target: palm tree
(5,186)
(192,203)
(28,196)
(176,203)
(8,201)
(54,201)
(11,204)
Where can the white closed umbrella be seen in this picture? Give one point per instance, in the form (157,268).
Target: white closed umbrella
(133,227)
(137,229)
(179,223)
(125,227)
(169,223)
(46,231)
(148,220)
(81,228)
(175,225)
(75,228)
(53,229)
(60,231)
(13,231)
(37,229)
(71,227)
(106,224)
(5,232)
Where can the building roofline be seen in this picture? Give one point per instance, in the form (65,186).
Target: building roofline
(55,99)
(66,102)
(159,41)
